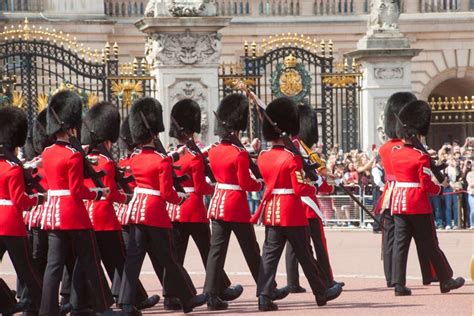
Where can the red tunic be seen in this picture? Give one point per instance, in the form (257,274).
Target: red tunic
(230,166)
(285,186)
(153,176)
(411,168)
(13,199)
(33,217)
(102,213)
(121,209)
(193,209)
(64,170)
(385,153)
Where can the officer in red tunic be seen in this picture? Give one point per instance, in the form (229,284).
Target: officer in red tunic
(101,128)
(65,217)
(150,225)
(282,211)
(394,104)
(229,209)
(410,203)
(190,218)
(13,201)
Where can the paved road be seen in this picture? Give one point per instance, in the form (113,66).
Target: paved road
(355,257)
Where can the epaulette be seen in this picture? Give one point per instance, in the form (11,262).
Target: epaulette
(136,152)
(289,151)
(11,163)
(238,148)
(71,148)
(105,157)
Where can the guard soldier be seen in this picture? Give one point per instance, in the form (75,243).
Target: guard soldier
(65,217)
(394,104)
(229,209)
(412,211)
(281,208)
(150,225)
(13,201)
(100,129)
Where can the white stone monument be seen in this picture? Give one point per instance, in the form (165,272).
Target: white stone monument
(385,55)
(184,46)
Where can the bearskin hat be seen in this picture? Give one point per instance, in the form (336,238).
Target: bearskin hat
(68,107)
(416,118)
(126,141)
(284,113)
(394,104)
(101,123)
(13,127)
(40,139)
(153,112)
(188,115)
(308,125)
(233,111)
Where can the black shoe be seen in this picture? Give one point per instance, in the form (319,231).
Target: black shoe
(214,303)
(295,289)
(331,293)
(232,292)
(401,290)
(265,304)
(149,302)
(390,284)
(130,310)
(65,309)
(279,294)
(195,301)
(342,284)
(451,284)
(30,313)
(432,280)
(172,303)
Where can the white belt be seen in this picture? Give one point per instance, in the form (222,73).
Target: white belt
(283,191)
(188,189)
(224,186)
(147,191)
(59,193)
(407,185)
(5,202)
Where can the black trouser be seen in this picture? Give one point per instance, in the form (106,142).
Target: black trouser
(40,249)
(113,253)
(20,286)
(19,251)
(422,229)
(86,270)
(159,244)
(245,234)
(275,240)
(201,234)
(316,230)
(7,298)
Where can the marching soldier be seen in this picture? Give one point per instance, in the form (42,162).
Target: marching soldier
(282,211)
(65,217)
(412,211)
(13,201)
(100,129)
(228,209)
(394,104)
(150,225)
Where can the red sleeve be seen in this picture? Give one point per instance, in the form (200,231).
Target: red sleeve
(76,179)
(297,179)
(199,178)
(325,187)
(168,193)
(425,177)
(246,182)
(16,187)
(109,181)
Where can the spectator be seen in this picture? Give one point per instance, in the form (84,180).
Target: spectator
(470,192)
(450,196)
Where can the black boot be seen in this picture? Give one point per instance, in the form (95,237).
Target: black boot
(195,301)
(331,293)
(390,284)
(279,294)
(214,303)
(172,303)
(401,290)
(451,284)
(130,310)
(149,302)
(336,282)
(65,309)
(232,292)
(265,304)
(295,289)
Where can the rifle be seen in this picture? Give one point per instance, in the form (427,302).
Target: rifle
(418,145)
(89,171)
(193,147)
(236,142)
(32,183)
(161,149)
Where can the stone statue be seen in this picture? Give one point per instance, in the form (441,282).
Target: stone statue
(384,15)
(181,8)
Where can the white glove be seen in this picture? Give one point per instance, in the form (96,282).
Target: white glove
(338,181)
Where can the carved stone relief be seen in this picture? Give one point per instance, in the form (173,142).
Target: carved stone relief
(388,73)
(379,111)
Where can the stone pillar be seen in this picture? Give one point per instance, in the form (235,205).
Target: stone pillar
(306,7)
(359,7)
(412,7)
(72,8)
(464,6)
(184,53)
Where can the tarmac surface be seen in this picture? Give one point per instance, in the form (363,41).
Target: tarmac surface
(355,258)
